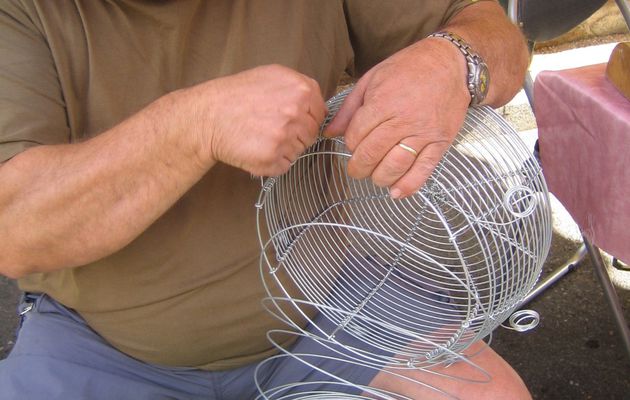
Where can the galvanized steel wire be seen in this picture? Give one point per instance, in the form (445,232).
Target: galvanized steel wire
(413,282)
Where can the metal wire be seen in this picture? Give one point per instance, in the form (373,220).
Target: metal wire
(405,283)
(523,320)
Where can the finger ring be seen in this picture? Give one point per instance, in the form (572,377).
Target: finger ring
(409,149)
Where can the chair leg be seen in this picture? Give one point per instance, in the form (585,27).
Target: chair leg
(528,86)
(625,10)
(561,271)
(609,292)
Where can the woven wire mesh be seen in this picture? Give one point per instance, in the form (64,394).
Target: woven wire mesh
(412,282)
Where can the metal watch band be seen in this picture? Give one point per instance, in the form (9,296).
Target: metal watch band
(478,78)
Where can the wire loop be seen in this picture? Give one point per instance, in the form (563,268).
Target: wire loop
(523,321)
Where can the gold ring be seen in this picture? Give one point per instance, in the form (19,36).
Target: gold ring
(409,149)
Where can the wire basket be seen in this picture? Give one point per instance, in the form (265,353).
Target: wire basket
(412,282)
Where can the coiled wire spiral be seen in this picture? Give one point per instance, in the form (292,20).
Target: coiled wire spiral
(405,283)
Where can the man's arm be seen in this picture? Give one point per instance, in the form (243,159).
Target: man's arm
(419,97)
(67,205)
(501,45)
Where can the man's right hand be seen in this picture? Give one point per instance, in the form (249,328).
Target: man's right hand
(259,120)
(96,196)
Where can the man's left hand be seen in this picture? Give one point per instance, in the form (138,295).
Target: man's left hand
(417,98)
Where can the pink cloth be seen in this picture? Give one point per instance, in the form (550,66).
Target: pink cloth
(584,135)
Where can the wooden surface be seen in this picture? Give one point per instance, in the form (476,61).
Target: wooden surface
(618,69)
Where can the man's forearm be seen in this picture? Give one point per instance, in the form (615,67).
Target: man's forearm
(67,205)
(499,42)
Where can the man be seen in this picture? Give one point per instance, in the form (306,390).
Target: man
(129,133)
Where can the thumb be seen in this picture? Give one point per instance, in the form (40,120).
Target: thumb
(351,104)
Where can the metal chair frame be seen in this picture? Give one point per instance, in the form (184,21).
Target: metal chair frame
(587,247)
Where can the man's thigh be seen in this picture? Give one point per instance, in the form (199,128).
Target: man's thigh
(57,356)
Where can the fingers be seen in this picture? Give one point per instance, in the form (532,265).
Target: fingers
(312,132)
(350,106)
(394,165)
(421,169)
(307,128)
(302,126)
(259,120)
(316,105)
(373,146)
(305,134)
(402,165)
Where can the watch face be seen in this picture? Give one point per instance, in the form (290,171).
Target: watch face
(481,83)
(484,79)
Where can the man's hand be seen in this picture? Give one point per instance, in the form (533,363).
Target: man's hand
(417,97)
(259,120)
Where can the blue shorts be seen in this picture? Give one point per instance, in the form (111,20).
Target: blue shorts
(57,356)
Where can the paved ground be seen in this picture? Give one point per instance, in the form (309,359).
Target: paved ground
(8,321)
(574,353)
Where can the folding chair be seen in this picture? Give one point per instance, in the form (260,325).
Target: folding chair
(542,20)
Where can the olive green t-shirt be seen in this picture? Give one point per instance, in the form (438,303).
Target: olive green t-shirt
(187,291)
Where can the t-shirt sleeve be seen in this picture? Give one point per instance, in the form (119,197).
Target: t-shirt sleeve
(32,110)
(380,28)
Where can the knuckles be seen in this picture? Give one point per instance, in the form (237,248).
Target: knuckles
(278,105)
(291,111)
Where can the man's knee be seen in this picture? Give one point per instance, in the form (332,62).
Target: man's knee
(486,377)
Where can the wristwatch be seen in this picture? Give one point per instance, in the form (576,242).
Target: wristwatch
(478,76)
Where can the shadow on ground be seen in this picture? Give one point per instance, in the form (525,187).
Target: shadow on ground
(575,352)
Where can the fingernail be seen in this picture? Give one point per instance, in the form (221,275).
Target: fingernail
(395,193)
